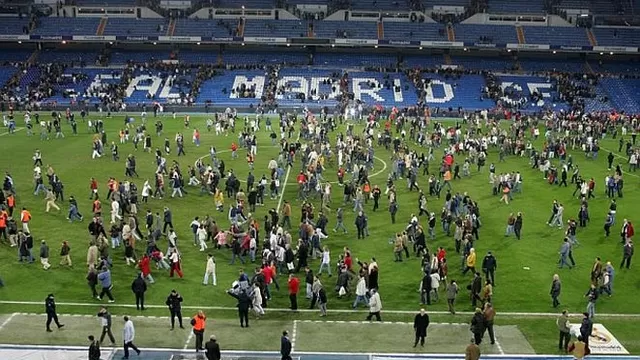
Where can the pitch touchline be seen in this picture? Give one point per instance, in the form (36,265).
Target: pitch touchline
(338,311)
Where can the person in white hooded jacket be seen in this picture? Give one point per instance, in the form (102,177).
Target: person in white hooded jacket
(361,292)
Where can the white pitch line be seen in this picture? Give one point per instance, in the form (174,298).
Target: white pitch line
(188,342)
(284,185)
(364,322)
(336,311)
(8,133)
(294,335)
(499,347)
(8,320)
(621,165)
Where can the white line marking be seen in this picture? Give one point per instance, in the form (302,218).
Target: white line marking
(336,311)
(8,320)
(621,165)
(499,347)
(188,342)
(8,133)
(286,179)
(294,335)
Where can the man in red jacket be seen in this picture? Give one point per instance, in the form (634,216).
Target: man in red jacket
(145,268)
(294,286)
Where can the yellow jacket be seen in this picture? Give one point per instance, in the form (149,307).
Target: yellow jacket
(471,260)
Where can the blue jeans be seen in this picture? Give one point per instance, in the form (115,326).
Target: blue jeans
(591,309)
(324,266)
(360,299)
(233,258)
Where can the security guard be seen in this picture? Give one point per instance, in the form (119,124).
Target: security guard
(199,322)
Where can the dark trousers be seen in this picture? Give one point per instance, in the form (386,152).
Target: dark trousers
(106,291)
(563,342)
(286,357)
(376,314)
(167,224)
(419,338)
(244,317)
(176,314)
(478,337)
(492,336)
(128,345)
(140,301)
(556,302)
(199,338)
(451,304)
(626,262)
(52,317)
(293,298)
(106,330)
(360,232)
(517,230)
(490,275)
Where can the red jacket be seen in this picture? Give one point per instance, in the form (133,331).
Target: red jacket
(144,266)
(268,274)
(294,285)
(630,230)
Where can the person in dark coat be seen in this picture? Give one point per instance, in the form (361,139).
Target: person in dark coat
(94,348)
(285,346)
(586,328)
(476,289)
(50,308)
(420,325)
(139,286)
(478,326)
(244,304)
(373,276)
(517,227)
(174,302)
(212,349)
(360,223)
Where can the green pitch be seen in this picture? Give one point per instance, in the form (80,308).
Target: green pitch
(525,267)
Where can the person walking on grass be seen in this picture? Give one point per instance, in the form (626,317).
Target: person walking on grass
(65,254)
(105,280)
(294,286)
(139,287)
(627,254)
(452,293)
(420,325)
(44,255)
(105,320)
(586,327)
(210,271)
(128,335)
(556,288)
(592,297)
(375,306)
(174,302)
(52,315)
(564,329)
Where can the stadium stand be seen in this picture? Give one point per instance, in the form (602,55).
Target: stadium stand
(14,25)
(560,35)
(520,7)
(280,28)
(492,34)
(50,56)
(346,29)
(414,31)
(617,36)
(69,26)
(135,27)
(200,27)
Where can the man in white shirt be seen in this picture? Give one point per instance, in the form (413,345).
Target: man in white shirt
(128,335)
(326,261)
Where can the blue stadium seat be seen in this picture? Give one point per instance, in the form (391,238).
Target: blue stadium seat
(617,36)
(556,35)
(275,28)
(353,29)
(516,7)
(135,27)
(13,25)
(550,64)
(624,93)
(252,57)
(67,26)
(501,34)
(57,56)
(342,60)
(6,73)
(413,31)
(15,55)
(200,27)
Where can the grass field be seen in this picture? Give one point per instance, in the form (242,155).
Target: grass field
(517,289)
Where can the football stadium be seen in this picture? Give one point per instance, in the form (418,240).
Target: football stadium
(319,179)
